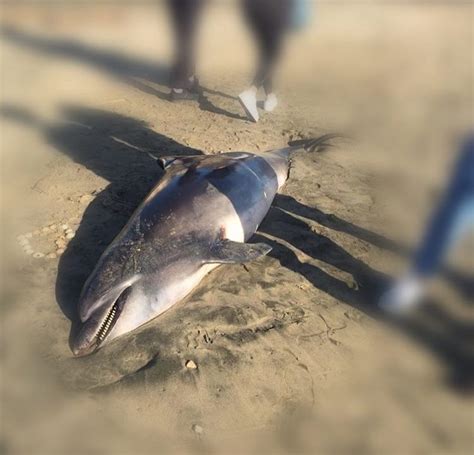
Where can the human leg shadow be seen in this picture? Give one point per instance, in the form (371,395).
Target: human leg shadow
(115,148)
(435,328)
(448,337)
(206,105)
(295,232)
(134,71)
(335,223)
(138,73)
(460,281)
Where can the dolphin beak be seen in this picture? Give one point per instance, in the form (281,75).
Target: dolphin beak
(85,340)
(94,331)
(83,351)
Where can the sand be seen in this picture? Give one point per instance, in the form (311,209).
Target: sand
(289,352)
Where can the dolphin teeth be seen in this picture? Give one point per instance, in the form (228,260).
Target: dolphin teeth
(112,316)
(104,328)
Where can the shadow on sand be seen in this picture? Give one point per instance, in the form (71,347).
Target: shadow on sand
(113,147)
(434,327)
(463,283)
(138,73)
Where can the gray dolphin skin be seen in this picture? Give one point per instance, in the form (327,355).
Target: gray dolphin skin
(198,216)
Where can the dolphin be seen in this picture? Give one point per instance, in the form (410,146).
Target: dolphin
(197,217)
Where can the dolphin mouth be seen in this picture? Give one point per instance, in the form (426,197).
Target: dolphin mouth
(94,332)
(109,322)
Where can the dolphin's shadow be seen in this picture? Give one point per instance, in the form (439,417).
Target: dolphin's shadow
(146,76)
(115,148)
(120,66)
(112,146)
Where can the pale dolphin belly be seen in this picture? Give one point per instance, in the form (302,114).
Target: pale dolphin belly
(136,311)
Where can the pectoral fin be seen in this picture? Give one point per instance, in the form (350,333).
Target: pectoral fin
(229,252)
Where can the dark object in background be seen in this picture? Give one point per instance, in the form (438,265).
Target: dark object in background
(452,219)
(192,93)
(185,15)
(302,14)
(270,21)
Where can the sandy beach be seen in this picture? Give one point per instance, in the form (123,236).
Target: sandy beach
(291,355)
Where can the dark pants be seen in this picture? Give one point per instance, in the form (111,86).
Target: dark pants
(184,14)
(269,20)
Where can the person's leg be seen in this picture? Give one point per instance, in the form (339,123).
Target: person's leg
(269,21)
(248,98)
(184,15)
(268,66)
(449,220)
(277,30)
(268,43)
(270,49)
(454,216)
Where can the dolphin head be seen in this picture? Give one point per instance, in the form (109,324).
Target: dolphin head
(115,299)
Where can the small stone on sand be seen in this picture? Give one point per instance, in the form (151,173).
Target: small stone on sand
(53,227)
(51,256)
(197,429)
(70,235)
(64,226)
(45,230)
(38,255)
(191,365)
(60,251)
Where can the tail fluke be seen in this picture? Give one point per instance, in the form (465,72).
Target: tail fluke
(318,144)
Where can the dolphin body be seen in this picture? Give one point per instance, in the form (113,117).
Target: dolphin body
(198,216)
